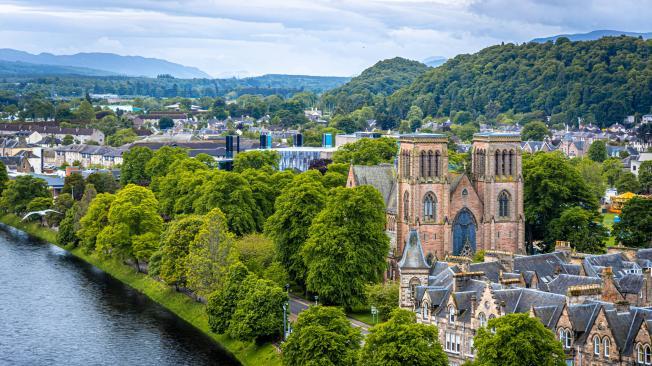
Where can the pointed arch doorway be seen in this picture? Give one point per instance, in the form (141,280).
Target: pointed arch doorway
(464,230)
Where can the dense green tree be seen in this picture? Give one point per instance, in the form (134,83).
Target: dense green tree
(401,341)
(85,111)
(67,140)
(133,169)
(591,172)
(122,137)
(534,131)
(161,162)
(322,336)
(645,176)
(581,228)
(67,235)
(383,296)
(296,206)
(209,254)
(612,168)
(21,191)
(598,151)
(62,204)
(175,245)
(367,152)
(518,340)
(551,186)
(133,220)
(465,132)
(635,226)
(256,159)
(231,193)
(4,177)
(264,192)
(95,220)
(39,204)
(256,252)
(104,182)
(222,303)
(259,314)
(165,123)
(627,182)
(347,246)
(75,185)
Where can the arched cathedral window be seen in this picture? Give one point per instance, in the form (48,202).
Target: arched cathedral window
(422,164)
(429,207)
(406,206)
(503,204)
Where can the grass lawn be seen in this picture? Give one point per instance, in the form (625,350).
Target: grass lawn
(608,222)
(248,353)
(363,316)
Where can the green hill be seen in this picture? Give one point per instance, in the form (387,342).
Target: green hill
(601,81)
(381,79)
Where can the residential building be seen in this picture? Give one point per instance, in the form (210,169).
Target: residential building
(636,164)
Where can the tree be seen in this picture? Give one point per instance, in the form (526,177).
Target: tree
(209,254)
(67,140)
(160,163)
(367,151)
(383,296)
(95,220)
(627,182)
(581,228)
(635,226)
(296,206)
(645,176)
(598,151)
(134,162)
(591,172)
(256,159)
(103,182)
(612,168)
(322,336)
(263,191)
(165,123)
(255,251)
(75,185)
(402,341)
(62,204)
(222,303)
(175,243)
(4,177)
(133,218)
(66,235)
(85,112)
(122,137)
(534,131)
(21,191)
(231,193)
(39,204)
(551,186)
(259,314)
(347,246)
(518,340)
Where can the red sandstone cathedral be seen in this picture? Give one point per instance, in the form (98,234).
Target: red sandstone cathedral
(454,214)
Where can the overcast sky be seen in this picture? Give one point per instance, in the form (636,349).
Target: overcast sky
(315,37)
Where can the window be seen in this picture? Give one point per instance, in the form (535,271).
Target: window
(596,345)
(437,164)
(648,356)
(406,206)
(565,337)
(482,319)
(425,311)
(430,207)
(422,164)
(606,343)
(451,314)
(639,354)
(503,204)
(471,347)
(430,163)
(414,282)
(453,342)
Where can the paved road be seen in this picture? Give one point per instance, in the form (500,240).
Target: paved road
(298,305)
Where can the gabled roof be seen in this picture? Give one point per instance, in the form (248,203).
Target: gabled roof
(382,177)
(561,283)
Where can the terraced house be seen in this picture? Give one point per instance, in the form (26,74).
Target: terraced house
(597,305)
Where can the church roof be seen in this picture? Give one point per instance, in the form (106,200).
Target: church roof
(382,177)
(413,253)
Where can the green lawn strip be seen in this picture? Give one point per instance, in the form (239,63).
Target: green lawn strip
(608,222)
(362,316)
(248,353)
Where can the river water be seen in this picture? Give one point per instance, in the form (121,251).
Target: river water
(56,309)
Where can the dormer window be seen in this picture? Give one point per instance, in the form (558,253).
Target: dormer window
(606,343)
(483,320)
(451,314)
(565,338)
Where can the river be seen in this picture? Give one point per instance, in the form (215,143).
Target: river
(56,309)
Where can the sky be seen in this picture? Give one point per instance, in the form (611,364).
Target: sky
(316,37)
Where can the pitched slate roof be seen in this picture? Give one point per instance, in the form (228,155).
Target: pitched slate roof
(382,177)
(545,265)
(491,269)
(561,283)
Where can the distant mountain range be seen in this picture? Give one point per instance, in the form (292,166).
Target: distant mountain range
(435,61)
(592,36)
(18,68)
(94,64)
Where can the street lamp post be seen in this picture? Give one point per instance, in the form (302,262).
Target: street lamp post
(316,298)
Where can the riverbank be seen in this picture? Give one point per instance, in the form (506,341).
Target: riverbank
(183,306)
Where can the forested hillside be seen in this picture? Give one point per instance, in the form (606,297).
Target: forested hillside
(601,81)
(381,79)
